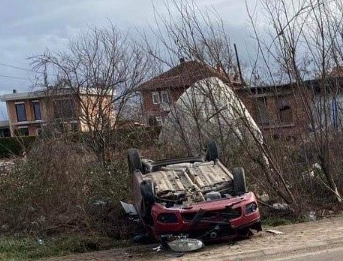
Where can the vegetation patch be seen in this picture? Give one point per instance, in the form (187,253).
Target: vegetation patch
(29,248)
(15,146)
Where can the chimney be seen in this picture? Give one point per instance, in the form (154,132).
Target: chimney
(14,91)
(182,60)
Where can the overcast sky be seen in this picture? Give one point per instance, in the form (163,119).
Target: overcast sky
(28,28)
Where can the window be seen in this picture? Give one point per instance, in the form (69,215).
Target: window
(164,97)
(155,98)
(262,116)
(64,108)
(74,125)
(22,131)
(285,111)
(36,110)
(21,112)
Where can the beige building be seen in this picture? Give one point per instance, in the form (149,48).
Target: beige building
(58,109)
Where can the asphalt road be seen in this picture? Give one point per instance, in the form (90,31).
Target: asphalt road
(334,254)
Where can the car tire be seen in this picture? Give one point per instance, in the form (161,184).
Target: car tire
(134,161)
(147,192)
(148,200)
(239,183)
(211,151)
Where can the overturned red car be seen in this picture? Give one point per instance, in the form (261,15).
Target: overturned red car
(193,197)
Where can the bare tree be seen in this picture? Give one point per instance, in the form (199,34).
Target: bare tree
(304,42)
(101,68)
(190,33)
(202,37)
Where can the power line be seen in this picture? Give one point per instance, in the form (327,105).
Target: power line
(14,77)
(20,68)
(16,67)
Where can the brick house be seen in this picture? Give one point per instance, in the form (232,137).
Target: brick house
(279,111)
(60,108)
(163,90)
(290,111)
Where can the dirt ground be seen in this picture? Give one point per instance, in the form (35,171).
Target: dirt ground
(307,236)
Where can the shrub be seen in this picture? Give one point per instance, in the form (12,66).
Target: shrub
(54,189)
(15,145)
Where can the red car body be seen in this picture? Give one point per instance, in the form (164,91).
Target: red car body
(213,216)
(167,201)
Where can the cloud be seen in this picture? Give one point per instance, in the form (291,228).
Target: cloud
(28,28)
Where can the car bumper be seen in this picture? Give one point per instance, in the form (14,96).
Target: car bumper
(219,218)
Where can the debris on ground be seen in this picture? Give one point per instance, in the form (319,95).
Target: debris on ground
(275,232)
(312,216)
(281,206)
(158,248)
(6,165)
(185,245)
(129,208)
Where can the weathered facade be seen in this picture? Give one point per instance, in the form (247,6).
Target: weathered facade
(297,109)
(285,111)
(60,109)
(161,92)
(280,111)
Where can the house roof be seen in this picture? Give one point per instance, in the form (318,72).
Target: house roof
(47,92)
(21,96)
(183,75)
(314,84)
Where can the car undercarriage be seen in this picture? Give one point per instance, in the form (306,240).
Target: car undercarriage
(194,197)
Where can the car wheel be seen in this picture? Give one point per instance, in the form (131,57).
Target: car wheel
(147,192)
(146,213)
(239,183)
(211,151)
(134,161)
(148,200)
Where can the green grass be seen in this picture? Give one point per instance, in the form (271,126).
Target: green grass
(276,221)
(29,248)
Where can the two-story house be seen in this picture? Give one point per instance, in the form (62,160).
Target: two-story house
(159,93)
(60,108)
